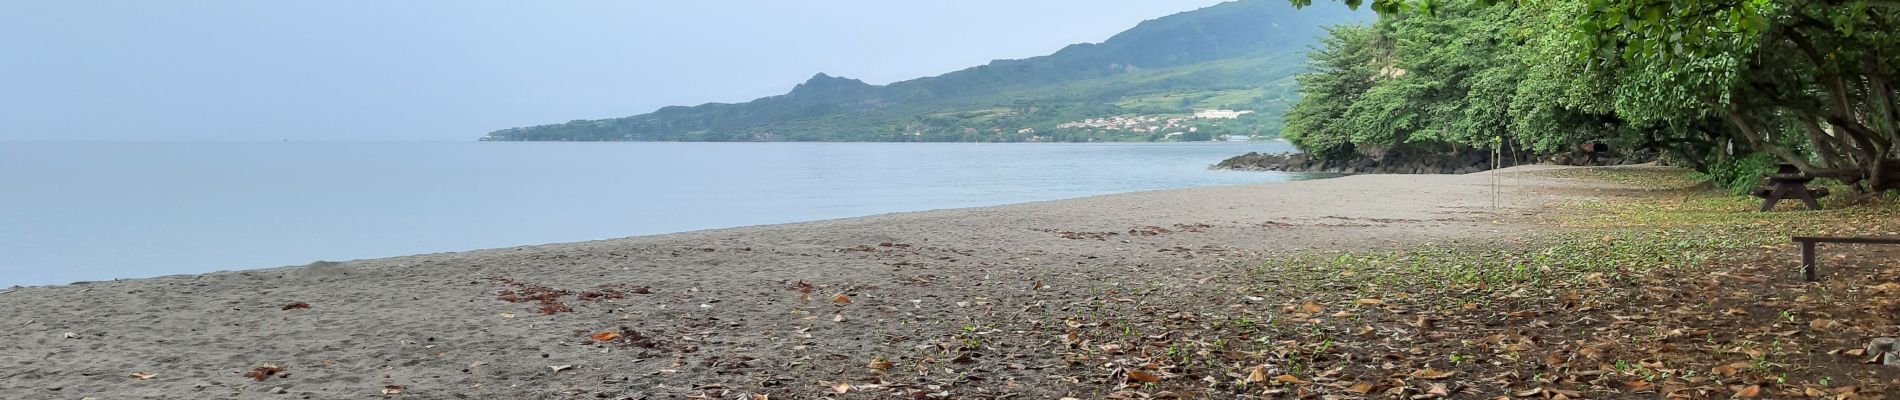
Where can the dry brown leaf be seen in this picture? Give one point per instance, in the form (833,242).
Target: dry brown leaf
(1370,302)
(1312,307)
(393,389)
(880,364)
(1752,391)
(264,372)
(606,336)
(841,299)
(1360,388)
(1288,378)
(841,387)
(1143,376)
(1431,373)
(1257,374)
(1823,324)
(144,376)
(1730,369)
(297,306)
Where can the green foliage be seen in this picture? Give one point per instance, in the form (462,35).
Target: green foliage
(1342,71)
(1740,175)
(1466,78)
(1808,82)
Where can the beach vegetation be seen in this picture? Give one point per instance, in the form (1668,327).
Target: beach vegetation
(1715,85)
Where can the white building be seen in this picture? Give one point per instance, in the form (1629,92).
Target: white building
(1221,114)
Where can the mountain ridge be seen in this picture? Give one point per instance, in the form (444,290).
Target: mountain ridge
(834,108)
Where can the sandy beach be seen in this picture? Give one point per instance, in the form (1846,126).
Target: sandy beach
(964,303)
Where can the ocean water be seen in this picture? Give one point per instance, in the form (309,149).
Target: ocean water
(98,211)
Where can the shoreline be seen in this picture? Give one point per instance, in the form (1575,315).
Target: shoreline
(715,230)
(421,321)
(307,211)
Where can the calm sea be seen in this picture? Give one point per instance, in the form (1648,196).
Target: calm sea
(98,211)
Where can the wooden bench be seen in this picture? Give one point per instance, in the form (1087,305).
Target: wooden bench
(1808,261)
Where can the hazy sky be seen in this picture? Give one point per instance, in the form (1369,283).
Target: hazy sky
(457,69)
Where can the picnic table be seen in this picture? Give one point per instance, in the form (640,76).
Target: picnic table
(1788,183)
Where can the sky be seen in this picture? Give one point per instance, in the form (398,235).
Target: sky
(454,70)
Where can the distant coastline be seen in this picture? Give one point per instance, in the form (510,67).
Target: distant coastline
(1222,70)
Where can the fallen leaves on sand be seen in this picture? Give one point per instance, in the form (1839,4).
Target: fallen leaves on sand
(1079,235)
(548,298)
(1444,322)
(603,294)
(144,376)
(393,389)
(606,336)
(554,308)
(264,372)
(297,306)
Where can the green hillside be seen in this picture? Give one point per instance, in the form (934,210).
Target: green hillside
(1238,56)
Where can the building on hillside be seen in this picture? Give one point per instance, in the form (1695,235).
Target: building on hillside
(1220,114)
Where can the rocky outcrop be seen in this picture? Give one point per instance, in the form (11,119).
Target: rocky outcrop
(1462,163)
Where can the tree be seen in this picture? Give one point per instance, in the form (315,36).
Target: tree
(1807,81)
(1466,78)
